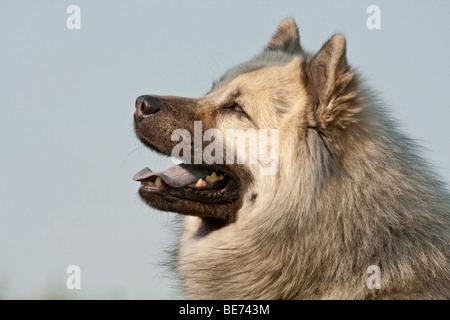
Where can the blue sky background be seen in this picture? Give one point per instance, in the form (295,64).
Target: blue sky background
(68,151)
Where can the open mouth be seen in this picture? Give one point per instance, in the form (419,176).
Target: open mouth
(199,190)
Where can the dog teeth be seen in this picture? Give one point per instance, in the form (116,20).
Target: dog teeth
(147,183)
(201,183)
(213,177)
(158,182)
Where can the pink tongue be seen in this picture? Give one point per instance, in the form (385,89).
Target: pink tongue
(177,176)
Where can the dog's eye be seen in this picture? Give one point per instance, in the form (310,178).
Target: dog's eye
(237,108)
(234,107)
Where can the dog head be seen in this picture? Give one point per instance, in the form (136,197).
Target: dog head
(284,101)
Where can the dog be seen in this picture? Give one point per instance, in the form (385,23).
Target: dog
(350,193)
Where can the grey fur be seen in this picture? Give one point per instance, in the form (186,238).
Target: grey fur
(372,200)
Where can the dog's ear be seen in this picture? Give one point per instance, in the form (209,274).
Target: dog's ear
(286,38)
(332,85)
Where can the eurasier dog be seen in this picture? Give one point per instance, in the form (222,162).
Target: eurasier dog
(348,209)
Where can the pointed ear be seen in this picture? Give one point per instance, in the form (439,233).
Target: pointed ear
(286,38)
(332,85)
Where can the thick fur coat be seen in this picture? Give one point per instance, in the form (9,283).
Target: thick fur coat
(351,190)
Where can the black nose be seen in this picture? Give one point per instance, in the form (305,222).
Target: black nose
(146,105)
